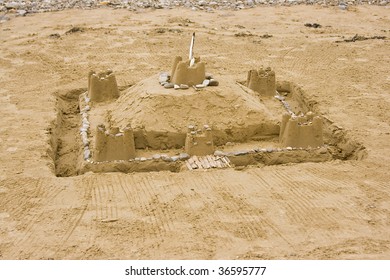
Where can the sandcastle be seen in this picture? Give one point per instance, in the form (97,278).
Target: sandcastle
(102,86)
(183,73)
(146,126)
(301,132)
(114,144)
(199,142)
(187,73)
(262,81)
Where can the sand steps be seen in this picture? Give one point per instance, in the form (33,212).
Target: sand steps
(207,162)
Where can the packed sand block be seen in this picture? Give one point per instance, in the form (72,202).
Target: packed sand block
(114,144)
(262,81)
(102,86)
(301,132)
(183,73)
(199,142)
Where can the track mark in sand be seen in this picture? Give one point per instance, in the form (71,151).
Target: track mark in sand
(105,200)
(77,215)
(139,200)
(268,186)
(234,213)
(301,208)
(197,185)
(17,203)
(160,209)
(150,207)
(30,240)
(328,193)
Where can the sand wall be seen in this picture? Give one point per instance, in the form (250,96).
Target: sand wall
(161,140)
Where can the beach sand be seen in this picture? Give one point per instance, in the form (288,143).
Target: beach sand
(339,209)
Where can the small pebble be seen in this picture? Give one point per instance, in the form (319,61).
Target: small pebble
(163,78)
(208,75)
(87,154)
(183,86)
(166,158)
(156,156)
(175,158)
(323,150)
(219,153)
(169,85)
(183,156)
(213,83)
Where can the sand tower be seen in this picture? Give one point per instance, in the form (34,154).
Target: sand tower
(185,73)
(199,142)
(189,72)
(262,81)
(102,86)
(301,132)
(114,144)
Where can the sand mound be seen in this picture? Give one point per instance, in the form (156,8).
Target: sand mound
(233,114)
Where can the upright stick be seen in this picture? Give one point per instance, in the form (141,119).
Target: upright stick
(191,55)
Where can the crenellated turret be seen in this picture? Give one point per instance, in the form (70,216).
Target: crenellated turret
(184,73)
(102,86)
(262,81)
(301,132)
(199,142)
(114,144)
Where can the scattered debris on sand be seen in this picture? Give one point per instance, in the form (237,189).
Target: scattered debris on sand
(74,30)
(313,25)
(361,38)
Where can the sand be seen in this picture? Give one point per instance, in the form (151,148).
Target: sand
(337,209)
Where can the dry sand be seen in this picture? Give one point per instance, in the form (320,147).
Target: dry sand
(333,210)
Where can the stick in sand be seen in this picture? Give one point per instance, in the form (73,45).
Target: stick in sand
(191,55)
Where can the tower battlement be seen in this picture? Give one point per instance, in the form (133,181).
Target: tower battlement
(262,81)
(102,86)
(199,142)
(301,132)
(114,144)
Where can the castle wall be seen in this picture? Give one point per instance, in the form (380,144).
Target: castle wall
(262,81)
(199,142)
(183,73)
(114,144)
(102,86)
(301,132)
